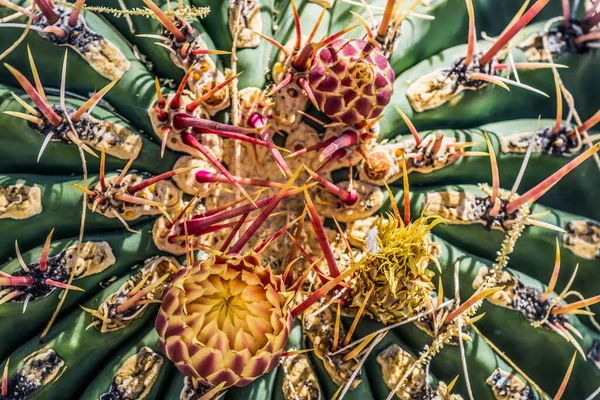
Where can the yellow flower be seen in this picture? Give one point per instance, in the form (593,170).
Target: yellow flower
(225,320)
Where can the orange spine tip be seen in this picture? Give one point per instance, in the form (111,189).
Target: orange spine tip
(510,33)
(559,105)
(176,100)
(102,167)
(192,106)
(478,296)
(587,125)
(478,76)
(5,379)
(406,193)
(275,43)
(536,192)
(472,36)
(365,25)
(385,20)
(563,385)
(555,272)
(361,309)
(336,329)
(316,27)
(165,20)
(322,291)
(393,202)
(495,173)
(298,42)
(62,285)
(36,77)
(411,127)
(137,200)
(42,104)
(356,351)
(88,105)
(569,308)
(75,12)
(335,36)
(45,251)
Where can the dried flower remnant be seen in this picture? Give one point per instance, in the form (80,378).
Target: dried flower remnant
(399,273)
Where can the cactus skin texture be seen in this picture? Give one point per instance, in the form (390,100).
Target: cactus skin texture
(307,199)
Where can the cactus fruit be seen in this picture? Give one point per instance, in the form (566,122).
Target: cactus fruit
(360,73)
(269,199)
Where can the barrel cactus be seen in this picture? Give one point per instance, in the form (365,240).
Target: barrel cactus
(269,199)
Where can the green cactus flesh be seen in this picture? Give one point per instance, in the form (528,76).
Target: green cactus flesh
(310,199)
